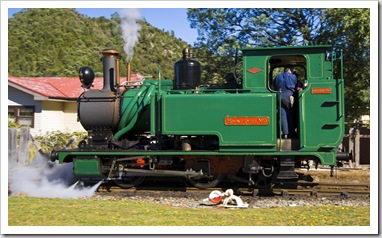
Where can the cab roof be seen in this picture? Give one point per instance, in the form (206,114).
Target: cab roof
(278,48)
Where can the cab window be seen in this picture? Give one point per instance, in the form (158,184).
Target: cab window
(277,63)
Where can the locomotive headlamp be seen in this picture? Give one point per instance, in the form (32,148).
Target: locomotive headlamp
(87,76)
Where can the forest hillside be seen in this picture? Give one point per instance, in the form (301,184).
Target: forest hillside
(47,42)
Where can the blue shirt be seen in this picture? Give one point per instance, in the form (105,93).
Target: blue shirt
(286,82)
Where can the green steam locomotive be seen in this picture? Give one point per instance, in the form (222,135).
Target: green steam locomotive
(206,133)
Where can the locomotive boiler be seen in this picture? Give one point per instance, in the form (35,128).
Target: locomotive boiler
(204,133)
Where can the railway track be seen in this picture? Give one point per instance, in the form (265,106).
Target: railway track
(316,189)
(191,197)
(304,188)
(179,193)
(319,192)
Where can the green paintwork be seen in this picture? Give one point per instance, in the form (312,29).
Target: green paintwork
(158,109)
(256,82)
(87,166)
(322,122)
(321,117)
(204,114)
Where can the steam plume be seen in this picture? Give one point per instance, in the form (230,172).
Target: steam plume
(40,179)
(130,30)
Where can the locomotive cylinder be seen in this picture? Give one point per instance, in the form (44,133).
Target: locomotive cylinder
(187,72)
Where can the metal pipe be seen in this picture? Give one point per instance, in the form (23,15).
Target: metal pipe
(128,72)
(69,143)
(133,115)
(125,114)
(187,173)
(36,144)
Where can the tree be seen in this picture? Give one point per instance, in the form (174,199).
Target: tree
(349,29)
(58,41)
(222,31)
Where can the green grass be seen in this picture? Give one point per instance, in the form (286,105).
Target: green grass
(28,211)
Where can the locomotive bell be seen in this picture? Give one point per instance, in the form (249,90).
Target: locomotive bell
(87,76)
(187,72)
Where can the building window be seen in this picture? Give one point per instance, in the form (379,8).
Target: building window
(22,115)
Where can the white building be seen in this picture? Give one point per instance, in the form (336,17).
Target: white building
(47,103)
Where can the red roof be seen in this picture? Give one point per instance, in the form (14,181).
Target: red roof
(58,87)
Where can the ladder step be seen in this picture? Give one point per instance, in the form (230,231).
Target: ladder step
(330,125)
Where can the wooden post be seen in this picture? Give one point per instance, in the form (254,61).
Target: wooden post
(351,145)
(24,146)
(357,148)
(12,146)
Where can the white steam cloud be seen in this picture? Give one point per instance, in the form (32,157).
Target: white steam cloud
(41,179)
(130,30)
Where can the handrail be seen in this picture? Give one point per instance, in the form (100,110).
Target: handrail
(280,119)
(343,85)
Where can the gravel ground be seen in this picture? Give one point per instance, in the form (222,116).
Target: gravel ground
(200,199)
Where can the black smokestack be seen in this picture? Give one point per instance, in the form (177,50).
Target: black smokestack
(110,62)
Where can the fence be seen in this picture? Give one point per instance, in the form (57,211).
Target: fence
(18,151)
(357,141)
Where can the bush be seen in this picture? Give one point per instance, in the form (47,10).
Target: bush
(56,140)
(12,123)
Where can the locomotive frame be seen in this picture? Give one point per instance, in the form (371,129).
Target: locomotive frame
(206,133)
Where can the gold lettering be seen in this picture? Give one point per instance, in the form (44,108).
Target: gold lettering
(246,121)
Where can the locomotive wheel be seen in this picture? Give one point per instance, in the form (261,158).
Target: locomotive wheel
(204,183)
(129,182)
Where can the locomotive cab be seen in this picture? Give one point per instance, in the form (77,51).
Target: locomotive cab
(320,94)
(319,106)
